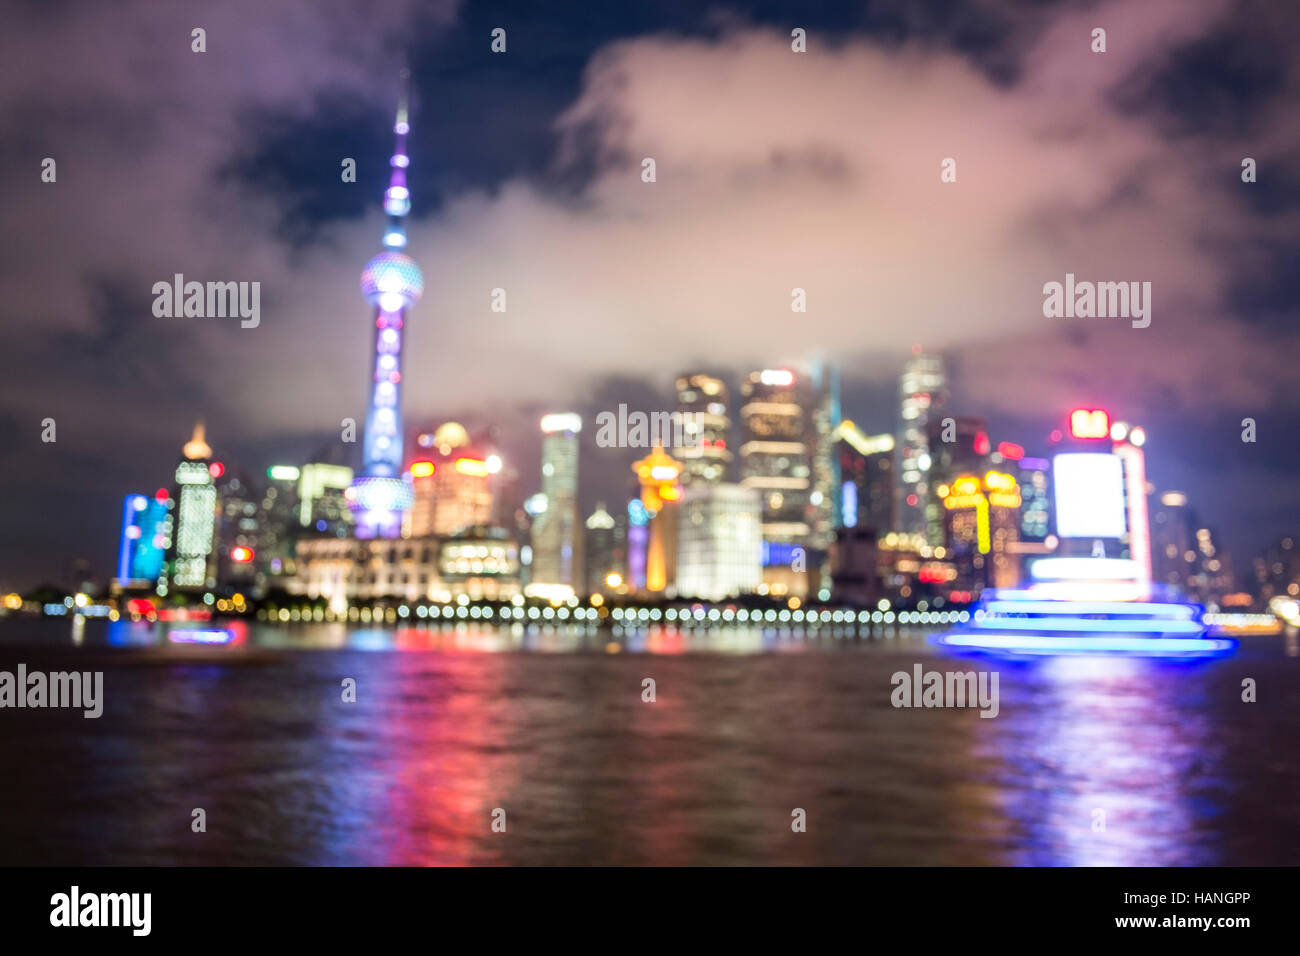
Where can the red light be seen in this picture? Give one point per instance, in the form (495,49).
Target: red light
(1089,423)
(720,443)
(981,443)
(216,469)
(241,555)
(161,495)
(911,500)
(1010,451)
(1056,435)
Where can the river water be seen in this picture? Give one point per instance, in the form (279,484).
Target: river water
(1088,762)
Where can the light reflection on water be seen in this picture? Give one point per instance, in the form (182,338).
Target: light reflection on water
(548,724)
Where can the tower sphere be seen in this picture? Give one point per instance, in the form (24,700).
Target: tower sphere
(392,274)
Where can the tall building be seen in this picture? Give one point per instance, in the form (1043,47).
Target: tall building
(196,516)
(380,496)
(982,529)
(658,474)
(606,558)
(146,536)
(1036,498)
(1174,556)
(453,484)
(702,402)
(557,531)
(776,459)
(826,419)
(959,445)
(923,392)
(719,542)
(322,498)
(239,529)
(867,471)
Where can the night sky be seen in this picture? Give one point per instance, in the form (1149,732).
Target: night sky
(775,170)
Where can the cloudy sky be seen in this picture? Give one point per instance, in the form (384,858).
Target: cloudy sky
(775,170)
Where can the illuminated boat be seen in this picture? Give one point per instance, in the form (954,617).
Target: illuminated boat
(1085,606)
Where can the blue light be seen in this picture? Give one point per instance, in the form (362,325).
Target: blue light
(1184,612)
(849,504)
(1048,644)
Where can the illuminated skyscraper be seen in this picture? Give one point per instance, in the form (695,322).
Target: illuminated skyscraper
(322,499)
(557,532)
(719,542)
(866,469)
(146,536)
(196,515)
(605,555)
(392,283)
(923,390)
(453,485)
(658,475)
(776,459)
(702,401)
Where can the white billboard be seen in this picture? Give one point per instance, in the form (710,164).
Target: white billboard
(1089,495)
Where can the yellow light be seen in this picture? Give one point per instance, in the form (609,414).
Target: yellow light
(793,604)
(999,481)
(421,469)
(13,601)
(966,485)
(597,600)
(475,467)
(81,600)
(943,491)
(982,526)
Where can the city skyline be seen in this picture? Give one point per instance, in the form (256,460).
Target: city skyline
(125,387)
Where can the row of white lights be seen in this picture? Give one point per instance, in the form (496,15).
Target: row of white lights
(644,615)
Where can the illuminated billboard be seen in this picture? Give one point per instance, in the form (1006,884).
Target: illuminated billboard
(1089,496)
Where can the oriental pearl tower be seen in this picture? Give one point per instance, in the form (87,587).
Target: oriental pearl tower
(391,282)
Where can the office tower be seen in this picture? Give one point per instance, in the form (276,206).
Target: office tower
(776,459)
(1036,498)
(982,529)
(658,475)
(557,531)
(278,515)
(380,496)
(702,403)
(1173,542)
(958,445)
(719,542)
(825,383)
(923,393)
(453,484)
(196,515)
(322,498)
(240,529)
(866,468)
(146,536)
(605,556)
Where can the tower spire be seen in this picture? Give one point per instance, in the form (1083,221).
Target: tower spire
(397,198)
(391,281)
